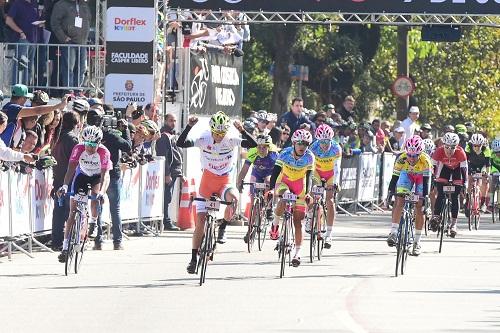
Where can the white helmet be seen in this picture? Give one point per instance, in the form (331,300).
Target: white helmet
(92,134)
(451,139)
(429,146)
(81,105)
(477,139)
(302,135)
(495,145)
(324,132)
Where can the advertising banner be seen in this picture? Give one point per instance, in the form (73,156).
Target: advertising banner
(367,166)
(378,177)
(129,194)
(20,194)
(491,7)
(216,84)
(349,172)
(132,58)
(152,175)
(42,204)
(388,160)
(122,89)
(4,204)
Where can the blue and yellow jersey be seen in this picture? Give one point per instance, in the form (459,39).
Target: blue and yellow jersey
(262,166)
(325,160)
(422,167)
(294,169)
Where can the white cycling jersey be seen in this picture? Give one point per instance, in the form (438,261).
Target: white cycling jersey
(91,164)
(218,158)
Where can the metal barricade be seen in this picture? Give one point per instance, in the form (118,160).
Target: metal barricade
(52,66)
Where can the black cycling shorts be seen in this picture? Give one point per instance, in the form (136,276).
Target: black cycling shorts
(82,182)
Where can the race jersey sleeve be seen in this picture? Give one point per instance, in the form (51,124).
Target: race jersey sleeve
(426,165)
(399,164)
(105,158)
(76,153)
(251,156)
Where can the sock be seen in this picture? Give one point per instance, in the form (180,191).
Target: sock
(194,254)
(297,251)
(223,224)
(93,220)
(329,230)
(453,221)
(65,244)
(394,227)
(276,221)
(418,234)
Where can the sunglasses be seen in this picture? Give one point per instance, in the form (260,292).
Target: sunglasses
(302,143)
(324,141)
(412,155)
(285,133)
(477,146)
(90,144)
(450,147)
(219,133)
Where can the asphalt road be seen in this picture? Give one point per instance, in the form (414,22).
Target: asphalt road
(145,288)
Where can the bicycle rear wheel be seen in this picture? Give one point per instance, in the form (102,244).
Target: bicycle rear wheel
(71,248)
(468,207)
(313,233)
(253,224)
(79,253)
(444,221)
(399,247)
(283,248)
(205,250)
(262,230)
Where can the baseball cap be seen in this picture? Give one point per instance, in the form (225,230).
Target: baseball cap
(414,109)
(20,90)
(94,101)
(328,107)
(426,126)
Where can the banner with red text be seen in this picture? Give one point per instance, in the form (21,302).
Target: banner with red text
(152,175)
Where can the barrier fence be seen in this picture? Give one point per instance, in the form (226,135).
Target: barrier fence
(26,206)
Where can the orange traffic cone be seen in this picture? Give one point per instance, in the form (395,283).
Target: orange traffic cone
(193,194)
(185,219)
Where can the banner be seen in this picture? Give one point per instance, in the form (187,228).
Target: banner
(20,195)
(378,177)
(152,182)
(488,7)
(130,51)
(348,175)
(388,160)
(367,166)
(42,204)
(129,194)
(4,204)
(216,84)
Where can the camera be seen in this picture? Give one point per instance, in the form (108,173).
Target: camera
(186,28)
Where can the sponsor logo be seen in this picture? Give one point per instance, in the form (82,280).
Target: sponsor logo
(129,58)
(129,85)
(130,24)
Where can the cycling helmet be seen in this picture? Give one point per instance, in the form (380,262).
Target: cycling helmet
(495,145)
(429,146)
(470,126)
(262,116)
(450,139)
(81,105)
(249,126)
(324,132)
(92,134)
(426,126)
(95,117)
(460,128)
(302,135)
(264,139)
(477,139)
(150,126)
(40,97)
(449,128)
(253,120)
(219,122)
(272,117)
(414,145)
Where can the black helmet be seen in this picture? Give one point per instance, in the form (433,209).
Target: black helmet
(95,117)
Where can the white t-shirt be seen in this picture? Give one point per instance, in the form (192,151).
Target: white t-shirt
(218,158)
(409,127)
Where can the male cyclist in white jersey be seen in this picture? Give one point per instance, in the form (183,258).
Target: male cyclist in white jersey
(218,159)
(89,165)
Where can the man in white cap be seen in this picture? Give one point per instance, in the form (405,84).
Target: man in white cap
(410,123)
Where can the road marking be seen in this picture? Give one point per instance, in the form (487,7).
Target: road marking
(349,322)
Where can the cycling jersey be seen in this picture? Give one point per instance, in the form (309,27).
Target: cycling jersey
(91,164)
(412,175)
(325,160)
(262,166)
(478,161)
(218,158)
(454,167)
(495,163)
(295,169)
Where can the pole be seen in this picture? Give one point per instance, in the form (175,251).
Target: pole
(403,69)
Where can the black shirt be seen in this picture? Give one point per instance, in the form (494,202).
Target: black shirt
(116,142)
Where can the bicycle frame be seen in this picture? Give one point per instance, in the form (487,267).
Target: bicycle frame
(318,206)
(406,232)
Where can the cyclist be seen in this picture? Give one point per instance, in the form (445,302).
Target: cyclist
(292,172)
(429,149)
(89,164)
(413,168)
(263,157)
(478,157)
(450,162)
(217,159)
(326,152)
(495,168)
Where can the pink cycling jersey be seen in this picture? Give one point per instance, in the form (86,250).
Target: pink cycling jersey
(91,164)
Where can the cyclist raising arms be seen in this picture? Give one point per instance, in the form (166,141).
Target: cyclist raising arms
(90,164)
(450,162)
(326,152)
(263,157)
(217,159)
(292,172)
(412,169)
(478,157)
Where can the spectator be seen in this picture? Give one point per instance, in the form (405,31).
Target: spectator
(379,133)
(51,126)
(409,124)
(138,116)
(29,142)
(274,132)
(7,154)
(68,138)
(426,131)
(319,118)
(117,141)
(352,142)
(19,19)
(16,110)
(70,22)
(337,118)
(262,122)
(3,37)
(167,146)
(295,118)
(367,145)
(284,137)
(346,110)
(329,109)
(396,143)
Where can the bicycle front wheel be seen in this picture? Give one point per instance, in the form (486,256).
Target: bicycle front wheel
(321,228)
(283,247)
(399,247)
(313,233)
(444,222)
(470,212)
(206,249)
(71,248)
(253,224)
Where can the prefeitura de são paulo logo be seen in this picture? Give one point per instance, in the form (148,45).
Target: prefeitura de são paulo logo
(129,85)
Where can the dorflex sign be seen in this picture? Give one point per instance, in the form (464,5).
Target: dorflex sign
(126,24)
(487,7)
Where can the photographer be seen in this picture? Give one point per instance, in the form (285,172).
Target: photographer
(116,140)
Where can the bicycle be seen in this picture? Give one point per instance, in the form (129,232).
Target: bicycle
(473,203)
(495,204)
(318,222)
(78,235)
(445,215)
(257,215)
(406,232)
(286,242)
(209,240)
